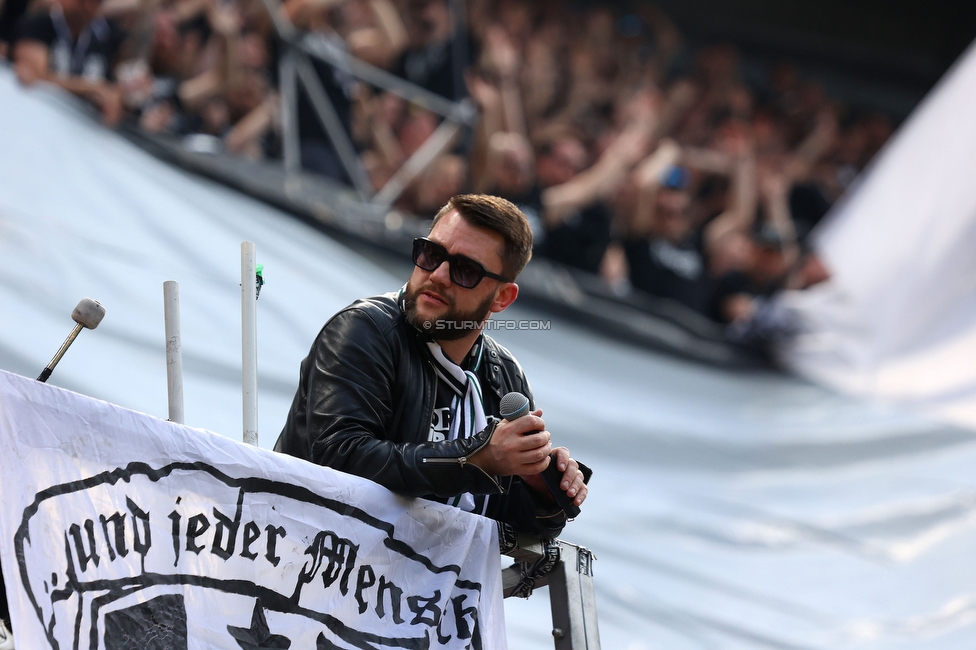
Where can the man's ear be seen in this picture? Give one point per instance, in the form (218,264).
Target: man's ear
(506,296)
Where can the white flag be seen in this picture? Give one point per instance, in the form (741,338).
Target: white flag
(119,531)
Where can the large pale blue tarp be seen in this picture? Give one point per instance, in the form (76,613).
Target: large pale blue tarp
(728,509)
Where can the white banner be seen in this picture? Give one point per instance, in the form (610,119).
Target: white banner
(897,320)
(119,531)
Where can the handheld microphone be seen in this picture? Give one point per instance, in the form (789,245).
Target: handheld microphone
(515,405)
(88,314)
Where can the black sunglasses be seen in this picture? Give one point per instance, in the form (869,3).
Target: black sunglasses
(465,272)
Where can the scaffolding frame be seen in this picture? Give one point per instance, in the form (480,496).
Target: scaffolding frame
(572,597)
(296,70)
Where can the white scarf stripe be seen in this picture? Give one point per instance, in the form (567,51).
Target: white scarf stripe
(467,409)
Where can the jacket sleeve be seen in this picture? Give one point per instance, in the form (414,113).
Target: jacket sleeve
(350,416)
(528,511)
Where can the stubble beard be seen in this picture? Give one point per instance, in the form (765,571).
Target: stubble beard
(453,325)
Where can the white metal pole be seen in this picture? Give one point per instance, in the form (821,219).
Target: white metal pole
(249,336)
(174,350)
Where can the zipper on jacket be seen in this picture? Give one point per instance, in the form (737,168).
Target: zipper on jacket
(463,460)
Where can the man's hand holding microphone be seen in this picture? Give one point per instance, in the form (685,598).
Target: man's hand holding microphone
(521,446)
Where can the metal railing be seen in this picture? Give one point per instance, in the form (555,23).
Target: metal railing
(567,570)
(295,68)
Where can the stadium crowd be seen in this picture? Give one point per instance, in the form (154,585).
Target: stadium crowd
(636,157)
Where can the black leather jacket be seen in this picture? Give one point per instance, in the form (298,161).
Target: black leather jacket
(364,405)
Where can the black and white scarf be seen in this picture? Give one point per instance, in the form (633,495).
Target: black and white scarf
(467,408)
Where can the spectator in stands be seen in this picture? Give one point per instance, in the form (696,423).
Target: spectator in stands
(769,253)
(376,127)
(663,255)
(437,54)
(372,31)
(563,196)
(444,178)
(11,11)
(165,61)
(668,245)
(71,46)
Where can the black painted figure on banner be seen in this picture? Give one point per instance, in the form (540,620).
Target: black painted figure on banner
(404,388)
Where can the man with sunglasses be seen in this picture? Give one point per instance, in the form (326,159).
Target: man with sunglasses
(404,388)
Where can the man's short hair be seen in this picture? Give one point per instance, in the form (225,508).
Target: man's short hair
(497,215)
